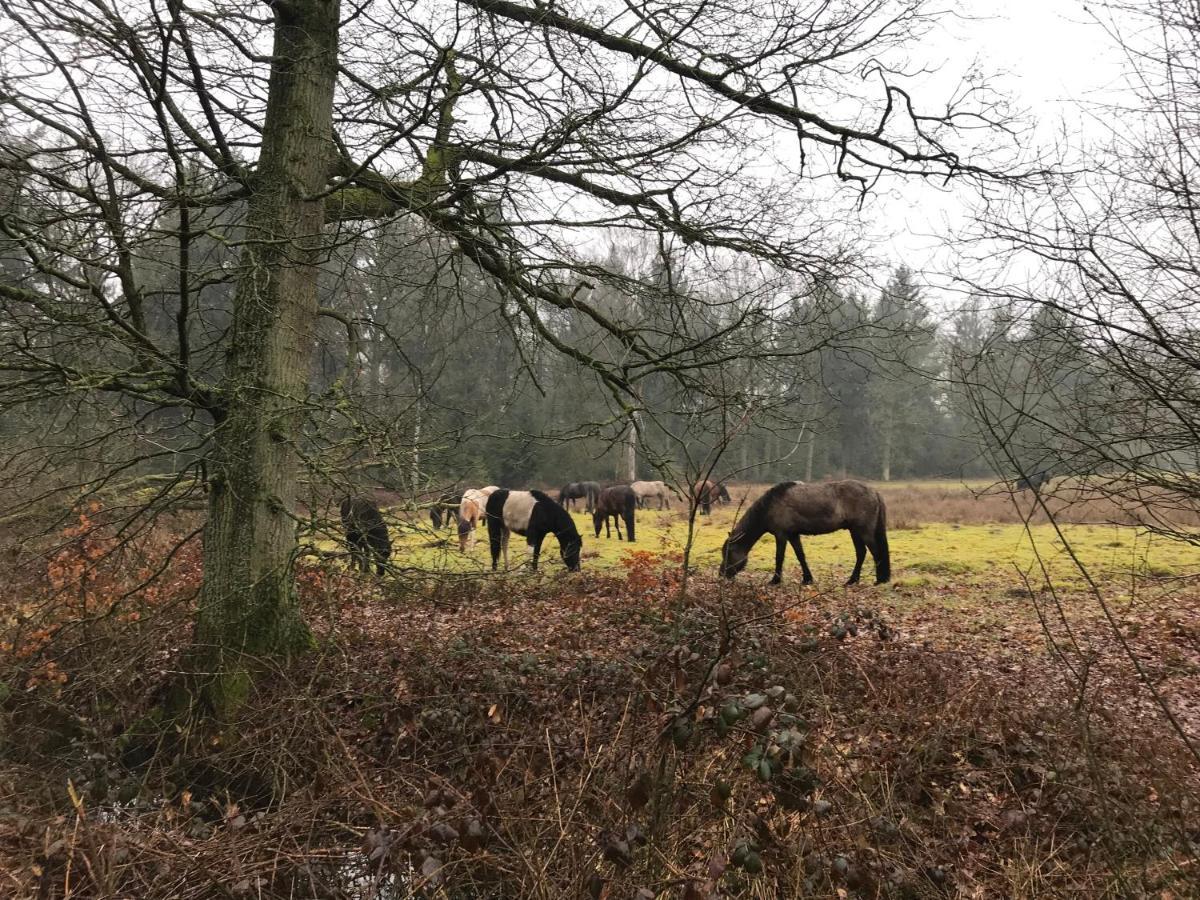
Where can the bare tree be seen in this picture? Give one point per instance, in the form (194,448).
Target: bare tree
(1094,370)
(513,131)
(1101,380)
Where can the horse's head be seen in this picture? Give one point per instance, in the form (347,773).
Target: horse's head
(733,557)
(570,545)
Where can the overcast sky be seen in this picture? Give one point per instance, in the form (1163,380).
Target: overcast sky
(1049,56)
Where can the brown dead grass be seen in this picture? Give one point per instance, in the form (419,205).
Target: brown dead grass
(557,736)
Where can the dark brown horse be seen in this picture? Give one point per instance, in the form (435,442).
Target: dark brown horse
(708,493)
(617,502)
(586,491)
(443,508)
(792,508)
(366,534)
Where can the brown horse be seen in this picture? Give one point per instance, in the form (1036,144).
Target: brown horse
(792,508)
(709,492)
(617,502)
(471,510)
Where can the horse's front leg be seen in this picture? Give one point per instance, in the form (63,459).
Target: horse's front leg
(780,550)
(536,544)
(860,553)
(798,549)
(617,524)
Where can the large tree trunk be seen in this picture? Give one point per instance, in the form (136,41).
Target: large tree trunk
(247,602)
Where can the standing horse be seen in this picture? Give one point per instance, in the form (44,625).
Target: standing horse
(366,534)
(616,502)
(645,491)
(791,509)
(534,515)
(570,492)
(709,492)
(470,510)
(1034,481)
(586,491)
(444,509)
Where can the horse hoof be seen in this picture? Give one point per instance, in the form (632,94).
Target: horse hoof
(851,581)
(776,580)
(807,581)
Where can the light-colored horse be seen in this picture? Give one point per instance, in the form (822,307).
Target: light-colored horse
(649,490)
(470,511)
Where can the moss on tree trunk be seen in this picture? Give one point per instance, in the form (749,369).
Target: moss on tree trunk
(247,602)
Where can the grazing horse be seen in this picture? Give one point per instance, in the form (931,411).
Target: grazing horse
(645,491)
(444,509)
(708,493)
(534,515)
(366,534)
(587,491)
(470,510)
(791,509)
(616,502)
(1033,481)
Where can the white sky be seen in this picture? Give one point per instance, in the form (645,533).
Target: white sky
(1050,57)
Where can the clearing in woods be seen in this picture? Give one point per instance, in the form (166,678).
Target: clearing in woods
(941,534)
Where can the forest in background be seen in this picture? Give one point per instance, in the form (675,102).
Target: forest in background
(425,377)
(255,258)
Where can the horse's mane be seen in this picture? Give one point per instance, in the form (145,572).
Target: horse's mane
(753,520)
(560,519)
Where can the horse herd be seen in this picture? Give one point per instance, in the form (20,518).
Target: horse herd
(786,511)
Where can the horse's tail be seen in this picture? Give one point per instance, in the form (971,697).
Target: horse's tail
(630,506)
(883,557)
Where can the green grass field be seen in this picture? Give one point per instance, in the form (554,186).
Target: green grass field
(929,553)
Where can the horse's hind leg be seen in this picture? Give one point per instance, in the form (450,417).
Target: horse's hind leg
(798,549)
(780,550)
(860,553)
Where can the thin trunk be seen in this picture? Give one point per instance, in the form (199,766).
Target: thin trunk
(415,478)
(886,472)
(808,460)
(247,603)
(630,461)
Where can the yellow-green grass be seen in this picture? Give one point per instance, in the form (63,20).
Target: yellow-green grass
(931,553)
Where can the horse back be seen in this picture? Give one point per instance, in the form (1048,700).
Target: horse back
(821,508)
(360,514)
(613,500)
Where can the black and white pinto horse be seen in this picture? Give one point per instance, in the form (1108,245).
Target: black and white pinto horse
(533,515)
(366,534)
